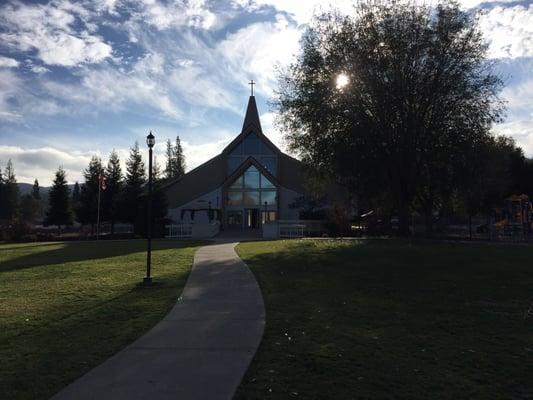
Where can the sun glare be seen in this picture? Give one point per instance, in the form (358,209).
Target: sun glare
(342,80)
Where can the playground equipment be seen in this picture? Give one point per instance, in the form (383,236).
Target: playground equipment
(517,216)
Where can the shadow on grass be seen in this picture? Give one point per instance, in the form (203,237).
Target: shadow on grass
(62,350)
(389,318)
(78,330)
(82,251)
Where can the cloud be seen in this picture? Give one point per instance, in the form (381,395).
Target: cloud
(109,89)
(519,98)
(521,131)
(509,31)
(42,163)
(10,87)
(255,50)
(193,13)
(267,123)
(197,154)
(6,62)
(49,30)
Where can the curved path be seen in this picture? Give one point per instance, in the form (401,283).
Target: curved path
(200,350)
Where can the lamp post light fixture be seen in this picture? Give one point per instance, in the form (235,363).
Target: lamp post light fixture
(150,141)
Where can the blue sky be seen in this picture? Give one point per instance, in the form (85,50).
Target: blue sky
(85,77)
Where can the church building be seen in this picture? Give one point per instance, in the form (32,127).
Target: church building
(252,182)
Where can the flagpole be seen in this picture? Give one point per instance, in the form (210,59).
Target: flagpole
(98,211)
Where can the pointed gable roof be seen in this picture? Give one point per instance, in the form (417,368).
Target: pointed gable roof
(252,115)
(251,124)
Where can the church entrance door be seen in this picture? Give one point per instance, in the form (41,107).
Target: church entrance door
(251,220)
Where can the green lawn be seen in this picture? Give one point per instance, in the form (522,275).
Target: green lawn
(65,307)
(388,320)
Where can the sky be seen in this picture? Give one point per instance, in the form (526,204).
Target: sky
(81,78)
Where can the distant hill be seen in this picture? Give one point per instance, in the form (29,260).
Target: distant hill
(43,190)
(25,188)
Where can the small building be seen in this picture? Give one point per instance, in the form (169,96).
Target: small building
(250,183)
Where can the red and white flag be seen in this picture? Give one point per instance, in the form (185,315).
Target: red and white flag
(101,182)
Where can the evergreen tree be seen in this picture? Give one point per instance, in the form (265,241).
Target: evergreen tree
(156,170)
(75,194)
(111,196)
(88,205)
(175,163)
(179,158)
(29,208)
(59,210)
(10,196)
(75,199)
(133,188)
(36,195)
(35,191)
(159,204)
(169,167)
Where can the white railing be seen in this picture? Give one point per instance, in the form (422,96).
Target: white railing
(192,230)
(291,230)
(179,231)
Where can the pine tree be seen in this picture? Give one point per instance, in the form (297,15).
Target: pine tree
(59,210)
(159,204)
(37,203)
(175,163)
(35,192)
(75,194)
(88,205)
(133,188)
(10,196)
(29,208)
(111,196)
(156,170)
(169,167)
(179,159)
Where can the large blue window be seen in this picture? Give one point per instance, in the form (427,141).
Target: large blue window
(251,189)
(251,178)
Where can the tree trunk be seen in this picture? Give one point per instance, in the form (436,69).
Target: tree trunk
(470,225)
(59,230)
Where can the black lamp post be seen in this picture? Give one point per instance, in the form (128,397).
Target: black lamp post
(150,141)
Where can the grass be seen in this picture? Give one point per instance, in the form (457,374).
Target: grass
(66,307)
(386,319)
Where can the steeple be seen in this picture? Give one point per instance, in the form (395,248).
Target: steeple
(252,116)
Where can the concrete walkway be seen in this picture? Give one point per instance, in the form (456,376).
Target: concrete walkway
(200,350)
